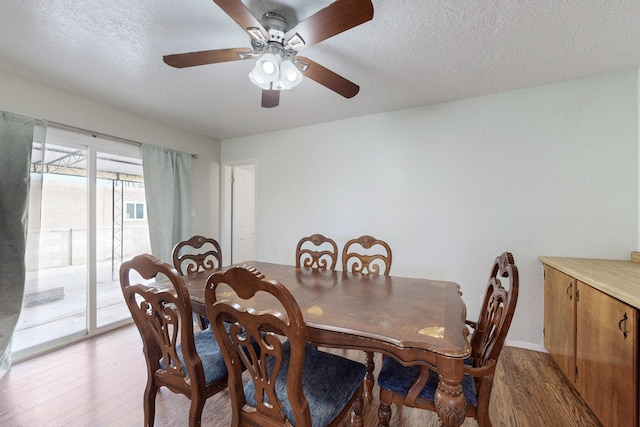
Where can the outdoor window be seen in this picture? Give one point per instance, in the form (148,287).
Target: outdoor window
(135,210)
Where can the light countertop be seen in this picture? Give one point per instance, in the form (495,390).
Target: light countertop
(617,278)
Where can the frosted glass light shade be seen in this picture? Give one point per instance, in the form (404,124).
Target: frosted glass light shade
(257,79)
(268,66)
(272,72)
(290,75)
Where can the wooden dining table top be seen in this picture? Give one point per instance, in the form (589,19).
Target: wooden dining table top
(414,320)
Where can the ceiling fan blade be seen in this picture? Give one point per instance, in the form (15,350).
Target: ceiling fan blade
(329,79)
(182,60)
(270,98)
(339,16)
(243,17)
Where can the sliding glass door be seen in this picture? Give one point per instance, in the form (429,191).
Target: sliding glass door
(121,229)
(55,297)
(86,215)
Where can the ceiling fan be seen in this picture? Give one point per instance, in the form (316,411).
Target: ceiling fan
(275,43)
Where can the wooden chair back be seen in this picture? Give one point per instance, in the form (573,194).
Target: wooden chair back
(163,315)
(317,251)
(487,341)
(268,329)
(366,255)
(197,254)
(497,311)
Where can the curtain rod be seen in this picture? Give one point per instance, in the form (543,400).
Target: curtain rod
(96,134)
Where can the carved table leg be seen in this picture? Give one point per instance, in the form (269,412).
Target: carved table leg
(449,399)
(369,379)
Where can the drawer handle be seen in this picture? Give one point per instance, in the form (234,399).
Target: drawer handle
(569,288)
(624,319)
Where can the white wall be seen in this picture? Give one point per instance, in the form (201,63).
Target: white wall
(551,170)
(22,96)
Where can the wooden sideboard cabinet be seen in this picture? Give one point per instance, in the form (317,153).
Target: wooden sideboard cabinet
(591,332)
(560,320)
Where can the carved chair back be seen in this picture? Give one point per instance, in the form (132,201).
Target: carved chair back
(197,254)
(366,255)
(487,341)
(268,329)
(317,251)
(163,316)
(497,311)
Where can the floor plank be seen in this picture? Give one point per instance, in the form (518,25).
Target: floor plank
(99,382)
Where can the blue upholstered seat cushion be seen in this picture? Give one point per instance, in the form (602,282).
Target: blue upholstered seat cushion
(328,383)
(210,355)
(398,379)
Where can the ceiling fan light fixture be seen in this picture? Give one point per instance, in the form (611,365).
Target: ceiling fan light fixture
(268,66)
(257,79)
(290,75)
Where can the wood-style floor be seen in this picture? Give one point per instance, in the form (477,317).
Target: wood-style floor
(99,382)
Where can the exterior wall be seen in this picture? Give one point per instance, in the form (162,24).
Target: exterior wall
(62,232)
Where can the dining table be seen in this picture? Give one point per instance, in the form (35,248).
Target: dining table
(414,320)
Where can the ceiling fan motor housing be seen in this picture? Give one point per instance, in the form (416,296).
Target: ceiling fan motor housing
(273,20)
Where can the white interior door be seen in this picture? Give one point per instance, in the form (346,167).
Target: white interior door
(243,212)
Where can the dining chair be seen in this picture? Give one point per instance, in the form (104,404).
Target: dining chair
(367,255)
(317,251)
(196,254)
(183,361)
(290,383)
(415,386)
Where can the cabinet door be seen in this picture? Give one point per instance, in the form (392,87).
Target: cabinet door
(606,356)
(560,320)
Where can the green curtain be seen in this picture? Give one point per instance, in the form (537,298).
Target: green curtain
(16,139)
(167,186)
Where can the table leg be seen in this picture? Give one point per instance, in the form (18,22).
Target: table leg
(449,399)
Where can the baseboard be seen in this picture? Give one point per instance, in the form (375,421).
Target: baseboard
(526,345)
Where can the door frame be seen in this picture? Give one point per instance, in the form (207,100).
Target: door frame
(226,205)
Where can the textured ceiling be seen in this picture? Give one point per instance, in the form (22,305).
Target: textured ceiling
(413,52)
